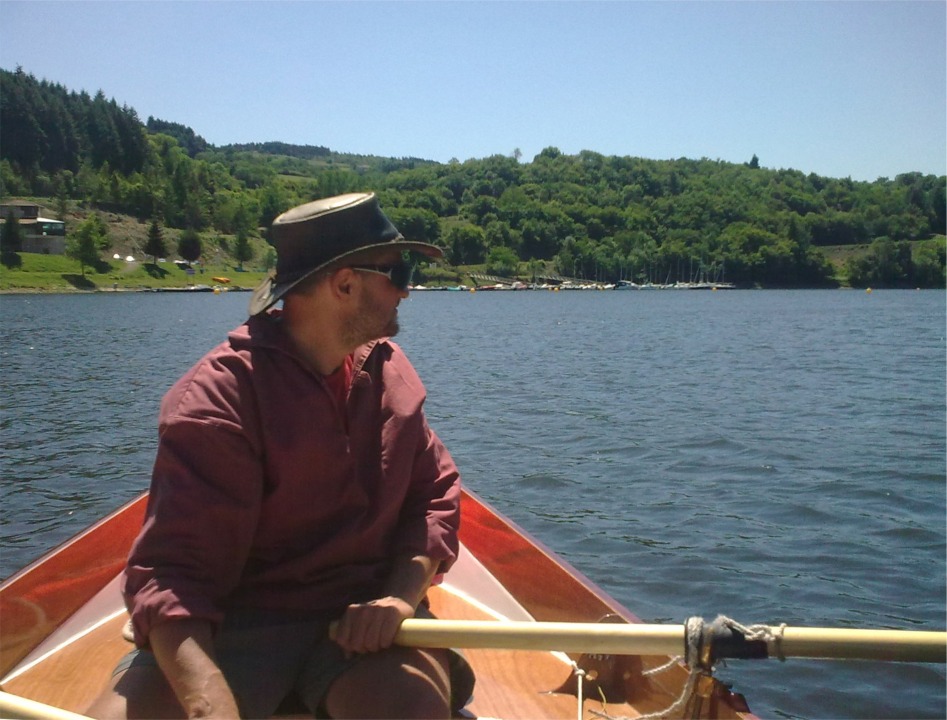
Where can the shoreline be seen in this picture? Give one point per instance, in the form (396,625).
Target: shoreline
(218,290)
(93,291)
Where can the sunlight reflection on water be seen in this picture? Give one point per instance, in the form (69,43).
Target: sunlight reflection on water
(773,456)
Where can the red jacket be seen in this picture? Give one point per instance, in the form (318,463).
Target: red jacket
(263,495)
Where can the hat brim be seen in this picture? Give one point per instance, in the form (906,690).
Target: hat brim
(269,292)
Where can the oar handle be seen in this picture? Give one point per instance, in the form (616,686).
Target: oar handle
(14,706)
(643,639)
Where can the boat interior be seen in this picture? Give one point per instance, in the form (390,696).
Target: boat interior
(63,620)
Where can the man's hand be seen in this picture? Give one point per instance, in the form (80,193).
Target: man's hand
(372,626)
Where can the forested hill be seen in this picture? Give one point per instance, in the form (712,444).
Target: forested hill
(584,215)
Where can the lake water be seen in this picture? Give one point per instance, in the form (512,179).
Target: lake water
(771,456)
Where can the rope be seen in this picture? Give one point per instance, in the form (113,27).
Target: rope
(580,677)
(758,632)
(699,667)
(661,668)
(693,631)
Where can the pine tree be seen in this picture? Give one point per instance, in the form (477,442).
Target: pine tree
(242,250)
(12,239)
(155,245)
(189,245)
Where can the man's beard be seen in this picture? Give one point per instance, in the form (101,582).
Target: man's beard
(371,322)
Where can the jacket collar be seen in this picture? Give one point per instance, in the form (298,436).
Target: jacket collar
(265,331)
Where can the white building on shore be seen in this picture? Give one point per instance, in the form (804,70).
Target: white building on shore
(40,234)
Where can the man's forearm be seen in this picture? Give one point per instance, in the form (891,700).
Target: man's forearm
(183,649)
(411,577)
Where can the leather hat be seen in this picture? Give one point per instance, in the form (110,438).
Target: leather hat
(318,234)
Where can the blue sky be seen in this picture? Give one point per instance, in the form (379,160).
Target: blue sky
(842,89)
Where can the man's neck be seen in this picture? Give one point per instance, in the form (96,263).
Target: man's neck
(319,343)
(320,357)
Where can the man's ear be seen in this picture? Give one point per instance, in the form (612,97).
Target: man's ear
(343,282)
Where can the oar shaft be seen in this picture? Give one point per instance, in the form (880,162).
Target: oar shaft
(853,644)
(642,639)
(606,638)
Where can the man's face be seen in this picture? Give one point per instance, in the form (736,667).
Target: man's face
(376,313)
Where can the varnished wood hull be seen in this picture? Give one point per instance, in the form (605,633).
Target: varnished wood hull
(62,617)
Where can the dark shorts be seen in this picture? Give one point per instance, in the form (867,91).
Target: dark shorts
(270,659)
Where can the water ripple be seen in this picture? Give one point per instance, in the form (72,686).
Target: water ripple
(773,456)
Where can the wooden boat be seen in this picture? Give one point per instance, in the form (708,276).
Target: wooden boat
(62,620)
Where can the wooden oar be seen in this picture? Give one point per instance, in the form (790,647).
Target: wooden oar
(642,639)
(14,706)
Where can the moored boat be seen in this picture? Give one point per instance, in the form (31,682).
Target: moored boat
(63,618)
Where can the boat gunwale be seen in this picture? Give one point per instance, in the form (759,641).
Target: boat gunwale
(522,566)
(60,582)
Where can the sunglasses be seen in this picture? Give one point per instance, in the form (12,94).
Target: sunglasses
(398,273)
